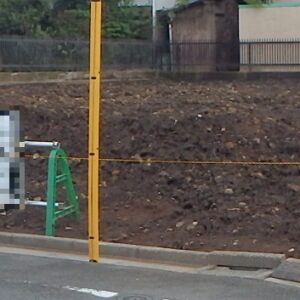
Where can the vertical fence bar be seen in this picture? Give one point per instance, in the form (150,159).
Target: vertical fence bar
(249,54)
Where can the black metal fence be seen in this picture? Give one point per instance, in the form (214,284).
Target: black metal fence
(23,54)
(270,53)
(279,55)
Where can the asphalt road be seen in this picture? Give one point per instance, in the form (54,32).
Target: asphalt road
(26,277)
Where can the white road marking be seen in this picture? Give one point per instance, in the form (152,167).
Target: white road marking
(97,293)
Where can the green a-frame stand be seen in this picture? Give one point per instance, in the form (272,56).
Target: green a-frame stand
(59,172)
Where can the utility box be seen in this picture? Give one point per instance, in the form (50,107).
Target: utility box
(12,173)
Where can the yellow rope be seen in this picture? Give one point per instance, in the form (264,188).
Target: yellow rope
(181,162)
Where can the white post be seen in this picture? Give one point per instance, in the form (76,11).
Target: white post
(11,161)
(171,47)
(153,20)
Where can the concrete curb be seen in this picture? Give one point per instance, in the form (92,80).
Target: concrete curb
(246,259)
(7,78)
(153,254)
(164,255)
(69,82)
(200,76)
(107,249)
(289,270)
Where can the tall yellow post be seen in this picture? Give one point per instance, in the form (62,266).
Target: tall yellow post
(94,172)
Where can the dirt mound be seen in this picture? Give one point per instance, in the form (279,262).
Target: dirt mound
(189,206)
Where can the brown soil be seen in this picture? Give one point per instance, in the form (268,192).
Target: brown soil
(205,207)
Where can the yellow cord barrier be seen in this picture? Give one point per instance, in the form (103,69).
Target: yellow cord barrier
(182,162)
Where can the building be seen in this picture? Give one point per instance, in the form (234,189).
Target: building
(270,36)
(278,20)
(256,22)
(201,36)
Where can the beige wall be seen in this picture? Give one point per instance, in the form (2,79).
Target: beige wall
(270,23)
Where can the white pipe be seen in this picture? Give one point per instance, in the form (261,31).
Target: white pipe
(40,203)
(36,144)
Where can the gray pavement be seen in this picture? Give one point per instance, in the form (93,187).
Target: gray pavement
(33,277)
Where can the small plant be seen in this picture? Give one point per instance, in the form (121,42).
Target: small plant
(258,2)
(180,3)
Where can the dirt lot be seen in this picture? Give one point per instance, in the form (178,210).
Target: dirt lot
(205,207)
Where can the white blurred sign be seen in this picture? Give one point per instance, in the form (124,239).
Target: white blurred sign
(11,160)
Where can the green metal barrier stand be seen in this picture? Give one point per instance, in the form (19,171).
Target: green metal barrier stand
(59,173)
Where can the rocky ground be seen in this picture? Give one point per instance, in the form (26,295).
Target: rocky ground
(184,206)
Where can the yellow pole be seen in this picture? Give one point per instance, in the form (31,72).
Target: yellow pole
(94,130)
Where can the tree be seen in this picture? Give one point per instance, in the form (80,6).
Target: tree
(180,3)
(63,5)
(124,20)
(23,17)
(69,19)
